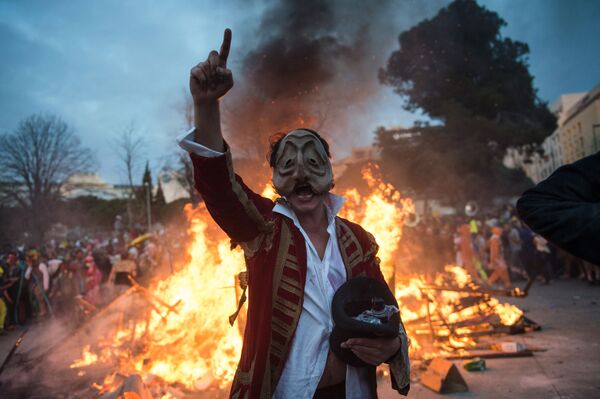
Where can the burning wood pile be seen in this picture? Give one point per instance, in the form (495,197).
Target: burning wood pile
(454,317)
(176,336)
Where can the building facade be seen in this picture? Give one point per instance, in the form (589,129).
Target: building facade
(577,135)
(86,184)
(580,130)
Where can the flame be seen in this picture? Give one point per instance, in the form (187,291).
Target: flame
(185,337)
(424,309)
(193,343)
(87,358)
(381,213)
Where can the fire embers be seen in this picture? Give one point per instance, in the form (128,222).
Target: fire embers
(302,166)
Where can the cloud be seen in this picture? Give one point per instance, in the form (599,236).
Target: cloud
(101,65)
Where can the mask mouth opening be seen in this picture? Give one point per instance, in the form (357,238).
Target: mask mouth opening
(302,189)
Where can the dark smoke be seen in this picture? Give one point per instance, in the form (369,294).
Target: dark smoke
(314,64)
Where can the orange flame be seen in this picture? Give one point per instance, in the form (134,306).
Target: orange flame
(193,343)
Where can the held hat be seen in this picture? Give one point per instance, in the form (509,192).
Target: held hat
(362,307)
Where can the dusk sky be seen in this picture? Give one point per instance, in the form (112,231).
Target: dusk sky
(101,65)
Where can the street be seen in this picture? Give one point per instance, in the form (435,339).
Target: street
(568,313)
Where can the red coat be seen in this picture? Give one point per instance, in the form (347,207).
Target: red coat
(275,255)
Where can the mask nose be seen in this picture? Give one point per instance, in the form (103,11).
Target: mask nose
(300,171)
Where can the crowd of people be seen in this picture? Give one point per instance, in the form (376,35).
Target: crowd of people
(74,277)
(494,248)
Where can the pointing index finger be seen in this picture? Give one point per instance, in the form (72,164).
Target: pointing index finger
(224,52)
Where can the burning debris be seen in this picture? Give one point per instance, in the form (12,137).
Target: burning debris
(175,334)
(449,316)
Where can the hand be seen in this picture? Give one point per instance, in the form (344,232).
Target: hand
(373,351)
(210,80)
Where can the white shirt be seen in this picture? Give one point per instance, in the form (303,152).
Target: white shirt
(308,353)
(45,276)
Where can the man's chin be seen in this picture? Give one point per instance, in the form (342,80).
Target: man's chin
(305,203)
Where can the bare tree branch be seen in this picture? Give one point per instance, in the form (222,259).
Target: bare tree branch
(129,145)
(35,161)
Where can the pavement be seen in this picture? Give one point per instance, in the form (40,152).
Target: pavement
(7,342)
(569,312)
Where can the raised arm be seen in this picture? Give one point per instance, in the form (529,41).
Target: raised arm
(240,212)
(209,81)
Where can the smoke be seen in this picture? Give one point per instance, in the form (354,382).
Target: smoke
(40,367)
(314,64)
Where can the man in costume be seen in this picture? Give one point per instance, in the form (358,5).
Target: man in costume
(297,252)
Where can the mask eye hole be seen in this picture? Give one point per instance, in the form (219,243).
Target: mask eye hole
(313,162)
(288,163)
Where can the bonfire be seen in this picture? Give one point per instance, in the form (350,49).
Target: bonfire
(184,338)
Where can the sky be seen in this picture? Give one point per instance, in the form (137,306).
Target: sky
(104,65)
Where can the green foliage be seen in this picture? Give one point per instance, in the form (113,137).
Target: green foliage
(475,86)
(159,198)
(91,212)
(147,179)
(90,215)
(458,64)
(426,162)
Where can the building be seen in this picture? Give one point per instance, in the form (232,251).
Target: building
(577,135)
(580,130)
(171,182)
(90,184)
(537,166)
(85,184)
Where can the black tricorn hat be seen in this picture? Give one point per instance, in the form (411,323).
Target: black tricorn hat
(353,298)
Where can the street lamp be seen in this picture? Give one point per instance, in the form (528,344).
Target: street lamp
(148,210)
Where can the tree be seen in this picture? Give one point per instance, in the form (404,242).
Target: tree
(35,161)
(426,162)
(145,192)
(159,198)
(475,86)
(146,181)
(129,145)
(159,202)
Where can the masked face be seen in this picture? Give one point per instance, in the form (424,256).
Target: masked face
(302,164)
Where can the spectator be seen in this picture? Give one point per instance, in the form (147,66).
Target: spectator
(497,263)
(542,258)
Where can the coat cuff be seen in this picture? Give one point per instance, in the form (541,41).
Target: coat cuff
(400,365)
(186,141)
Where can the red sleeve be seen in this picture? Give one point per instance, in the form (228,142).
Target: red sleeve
(239,211)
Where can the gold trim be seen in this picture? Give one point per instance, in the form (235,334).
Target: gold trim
(280,326)
(285,238)
(265,227)
(346,238)
(292,283)
(286,310)
(266,389)
(242,379)
(291,288)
